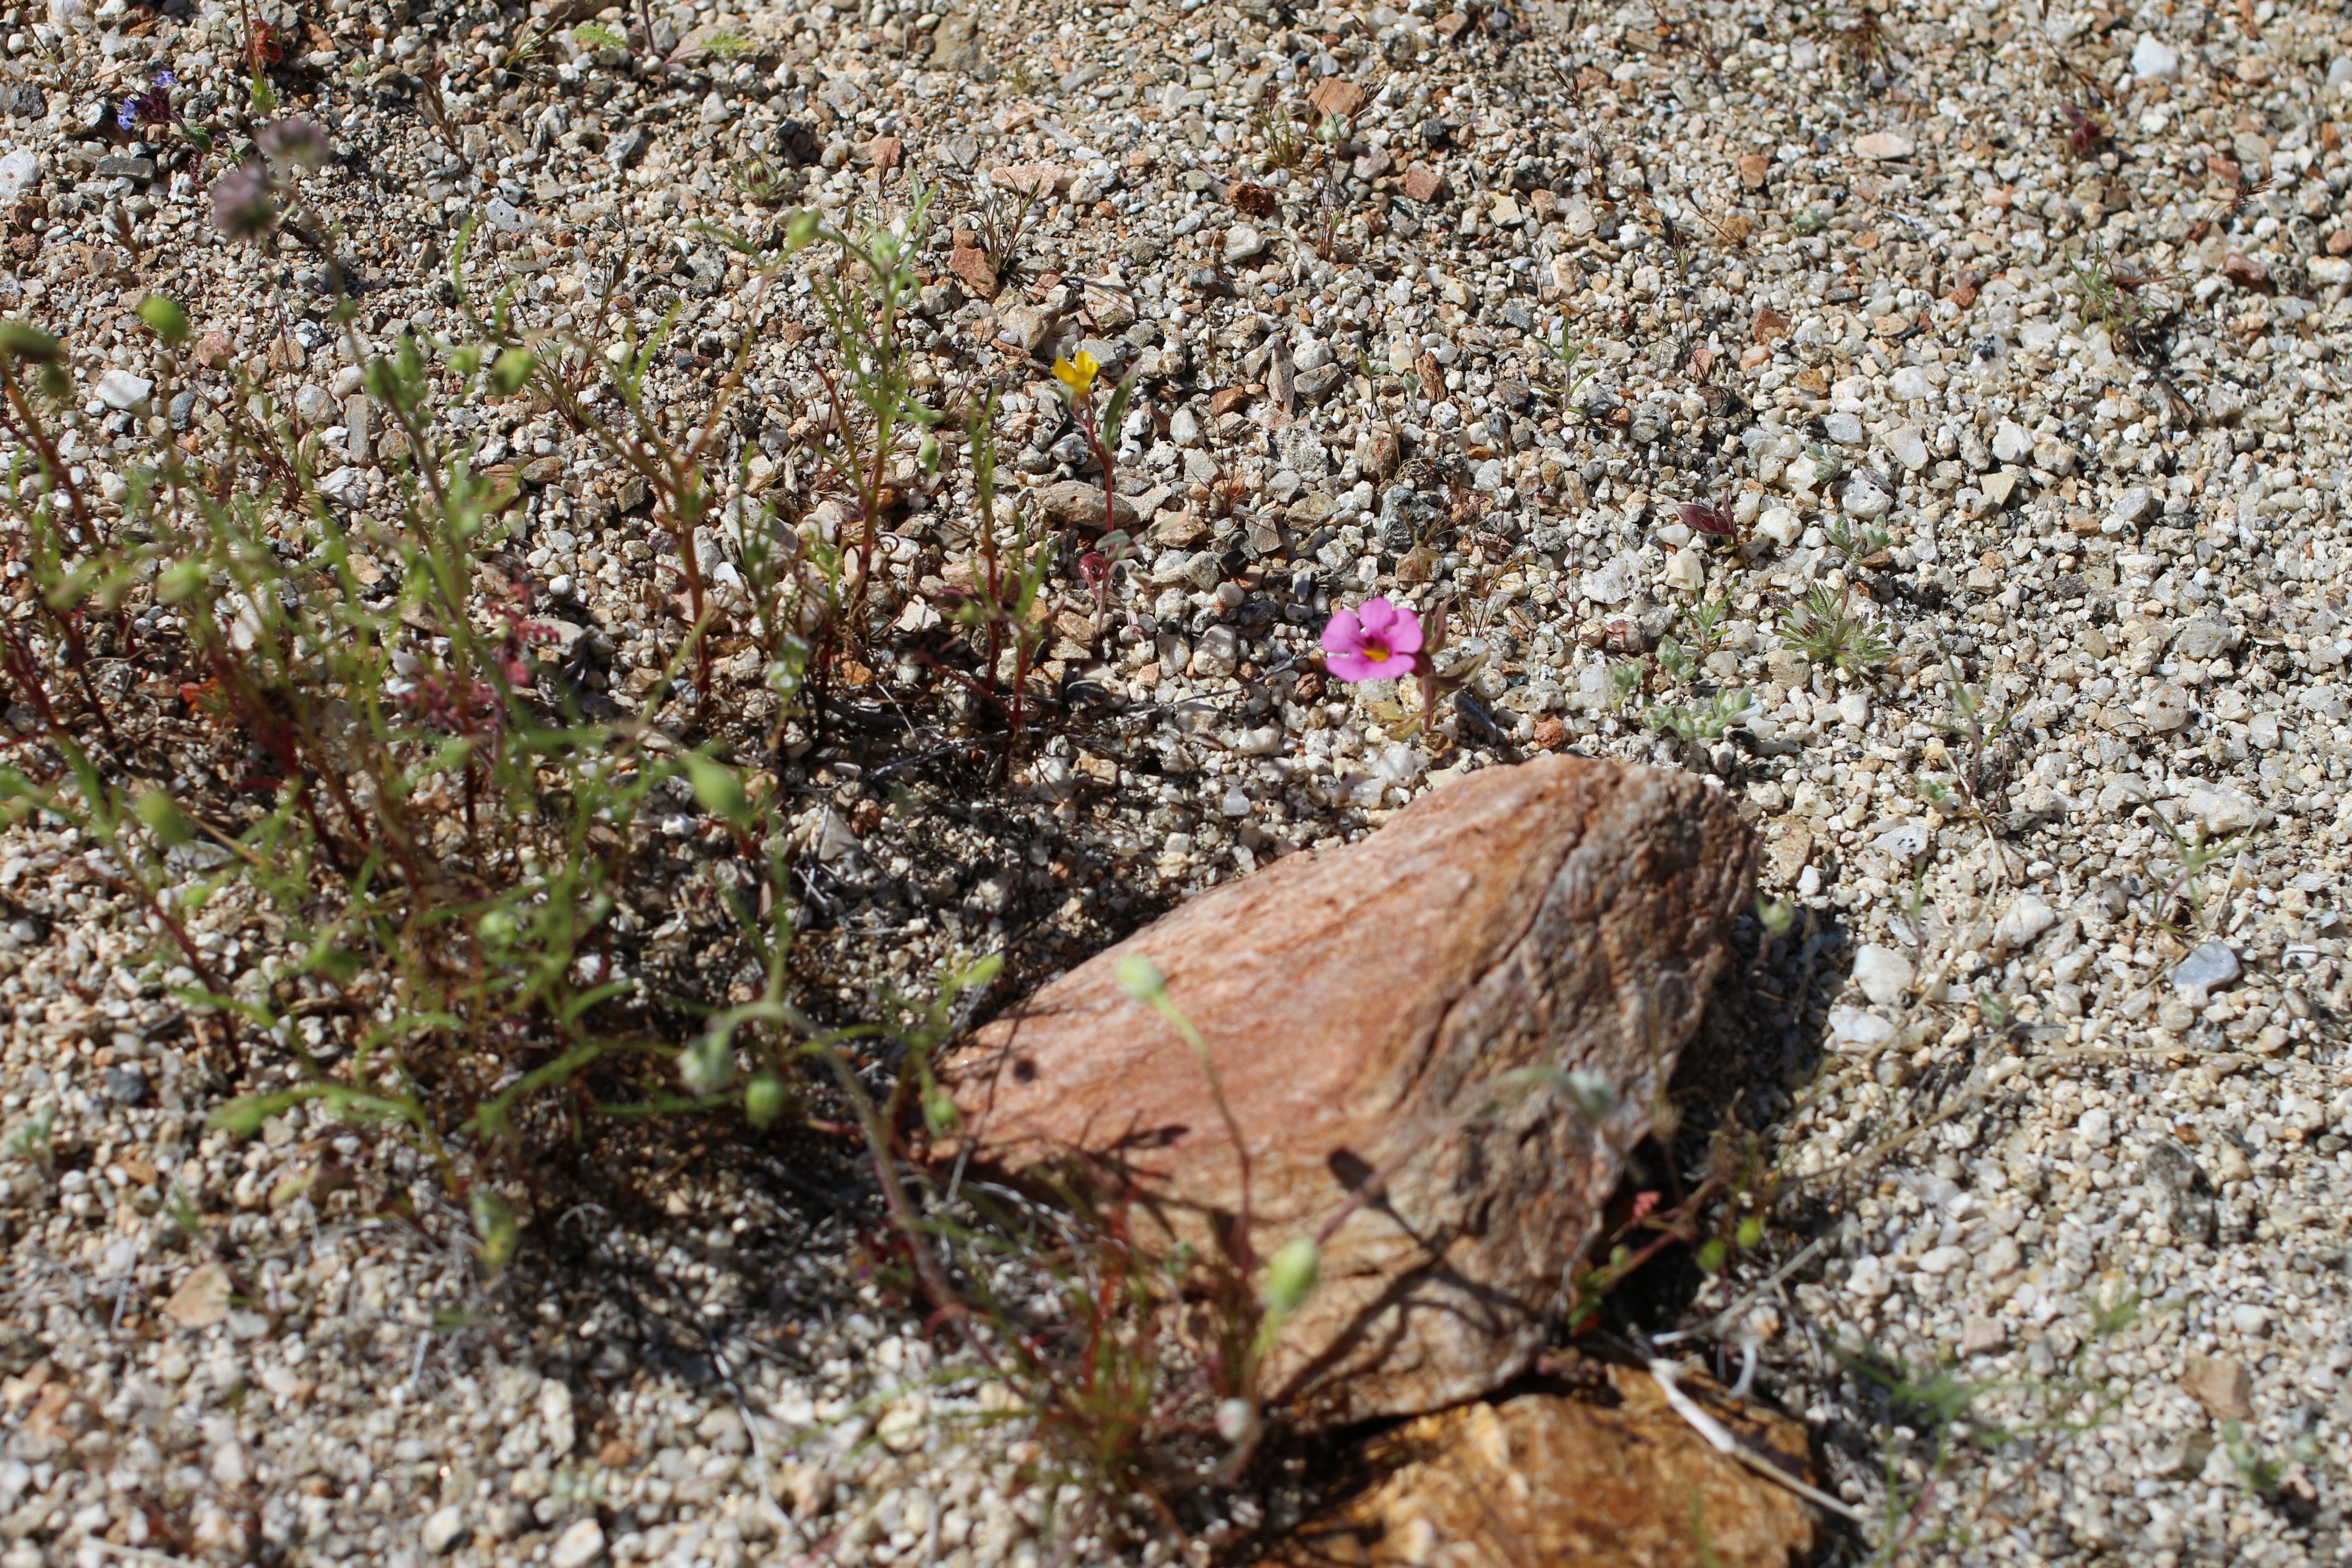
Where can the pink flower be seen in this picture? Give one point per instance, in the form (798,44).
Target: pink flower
(1375,641)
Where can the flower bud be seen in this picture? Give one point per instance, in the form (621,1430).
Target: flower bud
(1291,1276)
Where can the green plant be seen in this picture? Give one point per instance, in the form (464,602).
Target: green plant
(1624,683)
(1285,139)
(29,1139)
(1706,619)
(1707,720)
(2092,278)
(1002,218)
(1852,545)
(1969,725)
(1564,354)
(1946,1415)
(2196,854)
(596,35)
(1825,629)
(1677,661)
(761,180)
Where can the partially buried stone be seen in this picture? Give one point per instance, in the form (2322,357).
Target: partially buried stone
(2208,967)
(20,172)
(120,389)
(955,44)
(1075,503)
(1547,1478)
(1883,974)
(2219,1384)
(1566,914)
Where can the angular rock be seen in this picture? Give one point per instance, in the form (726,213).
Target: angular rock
(955,44)
(1883,974)
(1075,503)
(2208,967)
(1366,1011)
(201,1299)
(2027,917)
(1549,1478)
(2219,1384)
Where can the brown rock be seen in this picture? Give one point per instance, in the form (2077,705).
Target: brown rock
(1226,399)
(955,44)
(201,1299)
(1075,503)
(1363,1009)
(2340,242)
(1790,848)
(2245,272)
(885,153)
(1547,1478)
(1769,325)
(1423,183)
(1030,179)
(1754,168)
(1432,379)
(1337,97)
(2220,1385)
(971,265)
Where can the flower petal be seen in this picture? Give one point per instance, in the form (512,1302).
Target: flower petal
(1355,666)
(1376,615)
(1343,633)
(1404,634)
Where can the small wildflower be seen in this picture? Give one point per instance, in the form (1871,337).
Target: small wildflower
(1077,374)
(1375,641)
(244,200)
(295,141)
(153,107)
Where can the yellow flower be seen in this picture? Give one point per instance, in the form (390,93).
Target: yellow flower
(1078,377)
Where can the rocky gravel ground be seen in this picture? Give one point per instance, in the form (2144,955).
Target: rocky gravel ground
(2012,337)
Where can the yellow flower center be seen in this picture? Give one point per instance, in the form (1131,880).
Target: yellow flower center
(1377,654)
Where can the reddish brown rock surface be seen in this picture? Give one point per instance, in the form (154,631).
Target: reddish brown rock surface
(1376,1009)
(1543,1478)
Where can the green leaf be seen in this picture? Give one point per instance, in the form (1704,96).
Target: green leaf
(1751,1232)
(180,582)
(163,818)
(717,789)
(165,319)
(21,340)
(513,368)
(494,1222)
(1116,414)
(265,102)
(1291,1276)
(1711,1254)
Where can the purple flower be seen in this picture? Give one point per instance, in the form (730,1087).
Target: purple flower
(245,201)
(153,107)
(1375,641)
